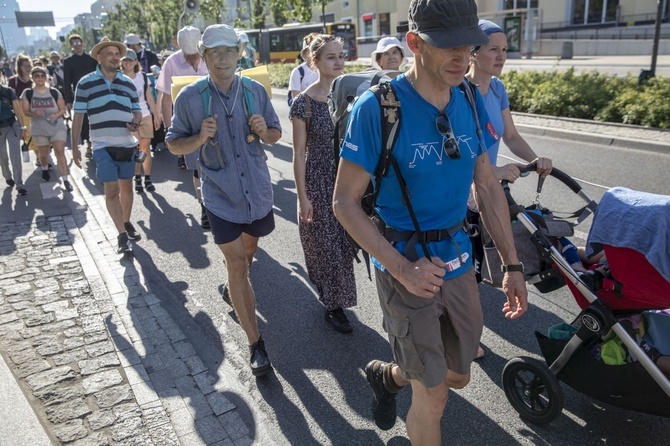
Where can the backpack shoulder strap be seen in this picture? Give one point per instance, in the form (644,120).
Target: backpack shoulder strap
(389,108)
(54,94)
(247,89)
(301,70)
(29,94)
(470,91)
(146,84)
(206,95)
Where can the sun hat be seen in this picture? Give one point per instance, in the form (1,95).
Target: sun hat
(54,53)
(40,69)
(446,23)
(166,53)
(490,27)
(217,35)
(104,43)
(243,37)
(130,55)
(188,38)
(132,39)
(385,44)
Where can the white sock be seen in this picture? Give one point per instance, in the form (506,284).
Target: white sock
(64,177)
(45,167)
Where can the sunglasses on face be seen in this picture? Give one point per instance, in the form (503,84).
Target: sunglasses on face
(450,145)
(76,43)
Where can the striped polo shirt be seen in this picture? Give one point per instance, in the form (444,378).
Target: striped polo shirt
(110,106)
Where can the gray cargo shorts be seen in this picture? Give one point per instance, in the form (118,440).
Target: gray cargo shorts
(431,336)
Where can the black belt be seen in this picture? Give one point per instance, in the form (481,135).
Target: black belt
(435,235)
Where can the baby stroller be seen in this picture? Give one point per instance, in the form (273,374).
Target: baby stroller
(532,387)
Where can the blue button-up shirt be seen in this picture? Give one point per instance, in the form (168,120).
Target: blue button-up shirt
(241,191)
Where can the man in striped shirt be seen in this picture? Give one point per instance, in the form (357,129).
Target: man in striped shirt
(112,104)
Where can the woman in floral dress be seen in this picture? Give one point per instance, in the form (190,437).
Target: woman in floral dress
(328,255)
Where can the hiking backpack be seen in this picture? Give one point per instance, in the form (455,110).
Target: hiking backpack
(345,90)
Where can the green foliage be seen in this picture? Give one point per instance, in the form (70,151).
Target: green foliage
(258,14)
(302,10)
(212,9)
(590,96)
(281,14)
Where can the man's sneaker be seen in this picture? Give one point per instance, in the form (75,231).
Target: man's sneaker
(225,294)
(68,187)
(260,362)
(10,182)
(383,403)
(124,245)
(45,175)
(132,233)
(22,191)
(181,162)
(339,320)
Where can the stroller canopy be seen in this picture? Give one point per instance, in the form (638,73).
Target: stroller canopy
(637,220)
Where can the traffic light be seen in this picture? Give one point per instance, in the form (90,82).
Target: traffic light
(191,6)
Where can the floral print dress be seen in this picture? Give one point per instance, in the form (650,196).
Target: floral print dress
(328,254)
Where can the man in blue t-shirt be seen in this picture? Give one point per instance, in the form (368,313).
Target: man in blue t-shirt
(431,308)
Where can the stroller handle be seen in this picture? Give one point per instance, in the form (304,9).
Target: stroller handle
(556,173)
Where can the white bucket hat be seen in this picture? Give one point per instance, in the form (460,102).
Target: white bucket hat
(385,44)
(188,38)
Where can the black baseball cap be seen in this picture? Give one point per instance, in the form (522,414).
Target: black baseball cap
(446,23)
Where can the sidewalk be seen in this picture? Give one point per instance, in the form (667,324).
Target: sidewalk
(94,352)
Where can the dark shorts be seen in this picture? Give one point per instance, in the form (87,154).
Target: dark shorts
(428,337)
(226,231)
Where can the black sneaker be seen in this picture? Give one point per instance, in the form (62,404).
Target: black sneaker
(148,185)
(68,187)
(339,320)
(132,233)
(181,162)
(45,175)
(138,185)
(260,362)
(383,403)
(124,245)
(22,191)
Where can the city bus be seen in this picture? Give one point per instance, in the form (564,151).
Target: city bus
(285,43)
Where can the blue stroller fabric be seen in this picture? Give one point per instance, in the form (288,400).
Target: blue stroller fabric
(637,220)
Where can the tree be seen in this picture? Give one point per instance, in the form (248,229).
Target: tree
(257,16)
(212,9)
(281,14)
(302,10)
(323,4)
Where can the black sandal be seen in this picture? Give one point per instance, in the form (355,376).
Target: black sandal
(138,185)
(148,185)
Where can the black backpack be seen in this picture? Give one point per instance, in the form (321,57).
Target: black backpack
(391,117)
(54,93)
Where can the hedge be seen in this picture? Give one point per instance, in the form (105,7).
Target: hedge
(586,95)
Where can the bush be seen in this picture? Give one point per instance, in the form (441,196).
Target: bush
(590,96)
(586,95)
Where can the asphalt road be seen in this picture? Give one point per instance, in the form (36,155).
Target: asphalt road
(318,393)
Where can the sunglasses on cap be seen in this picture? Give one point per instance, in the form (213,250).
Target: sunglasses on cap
(450,145)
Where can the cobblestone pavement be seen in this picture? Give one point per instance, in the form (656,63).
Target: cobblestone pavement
(102,360)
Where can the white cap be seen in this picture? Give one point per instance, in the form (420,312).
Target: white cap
(243,37)
(385,44)
(218,35)
(132,39)
(188,38)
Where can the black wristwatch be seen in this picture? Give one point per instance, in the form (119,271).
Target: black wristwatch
(512,268)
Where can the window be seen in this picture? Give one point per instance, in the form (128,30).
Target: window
(385,24)
(586,12)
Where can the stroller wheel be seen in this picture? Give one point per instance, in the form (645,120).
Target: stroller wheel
(532,390)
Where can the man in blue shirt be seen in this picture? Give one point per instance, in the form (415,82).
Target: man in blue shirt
(111,102)
(236,185)
(431,308)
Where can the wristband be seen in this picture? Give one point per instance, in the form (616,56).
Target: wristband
(512,268)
